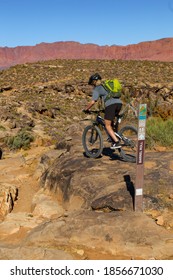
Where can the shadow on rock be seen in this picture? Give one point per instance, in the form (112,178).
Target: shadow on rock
(111,153)
(130,187)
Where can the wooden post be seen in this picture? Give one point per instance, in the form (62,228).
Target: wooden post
(140,158)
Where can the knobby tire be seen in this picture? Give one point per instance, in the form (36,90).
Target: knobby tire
(92,141)
(128,150)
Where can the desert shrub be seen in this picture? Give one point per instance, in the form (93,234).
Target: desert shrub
(159,132)
(2,128)
(21,140)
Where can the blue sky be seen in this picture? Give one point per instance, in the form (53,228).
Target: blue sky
(102,22)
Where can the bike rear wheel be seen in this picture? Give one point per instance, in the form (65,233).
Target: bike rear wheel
(92,141)
(129,142)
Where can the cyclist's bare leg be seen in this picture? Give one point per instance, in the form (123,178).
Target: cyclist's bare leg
(108,125)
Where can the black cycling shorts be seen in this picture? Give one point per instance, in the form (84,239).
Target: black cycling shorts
(112,111)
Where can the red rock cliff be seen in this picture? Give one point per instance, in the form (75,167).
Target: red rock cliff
(161,50)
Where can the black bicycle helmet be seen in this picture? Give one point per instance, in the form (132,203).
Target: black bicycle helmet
(94,77)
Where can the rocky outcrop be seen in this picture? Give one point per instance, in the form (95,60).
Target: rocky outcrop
(8,195)
(161,50)
(84,209)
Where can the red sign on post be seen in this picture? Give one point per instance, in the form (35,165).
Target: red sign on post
(140,158)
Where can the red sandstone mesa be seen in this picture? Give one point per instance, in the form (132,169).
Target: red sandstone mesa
(159,50)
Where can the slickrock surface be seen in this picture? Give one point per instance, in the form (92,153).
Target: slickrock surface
(80,208)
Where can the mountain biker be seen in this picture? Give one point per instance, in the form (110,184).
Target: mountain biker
(112,106)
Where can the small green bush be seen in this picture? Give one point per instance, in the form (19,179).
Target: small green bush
(159,132)
(21,140)
(2,128)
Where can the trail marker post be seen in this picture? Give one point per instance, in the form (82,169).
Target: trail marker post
(138,205)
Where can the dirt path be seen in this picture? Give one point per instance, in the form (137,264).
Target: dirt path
(18,169)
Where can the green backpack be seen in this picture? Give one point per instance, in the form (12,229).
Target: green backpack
(113,87)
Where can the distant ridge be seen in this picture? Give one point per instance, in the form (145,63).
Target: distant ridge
(158,50)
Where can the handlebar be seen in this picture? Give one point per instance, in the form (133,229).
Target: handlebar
(97,112)
(93,111)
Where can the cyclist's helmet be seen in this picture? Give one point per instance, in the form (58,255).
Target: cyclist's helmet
(94,77)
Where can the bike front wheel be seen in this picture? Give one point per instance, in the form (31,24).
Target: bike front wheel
(92,141)
(129,143)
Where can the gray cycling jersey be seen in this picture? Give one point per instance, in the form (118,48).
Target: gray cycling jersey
(99,91)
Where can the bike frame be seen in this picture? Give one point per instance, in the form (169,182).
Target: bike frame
(100,120)
(93,133)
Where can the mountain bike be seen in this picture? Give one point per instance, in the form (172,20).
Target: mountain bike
(93,142)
